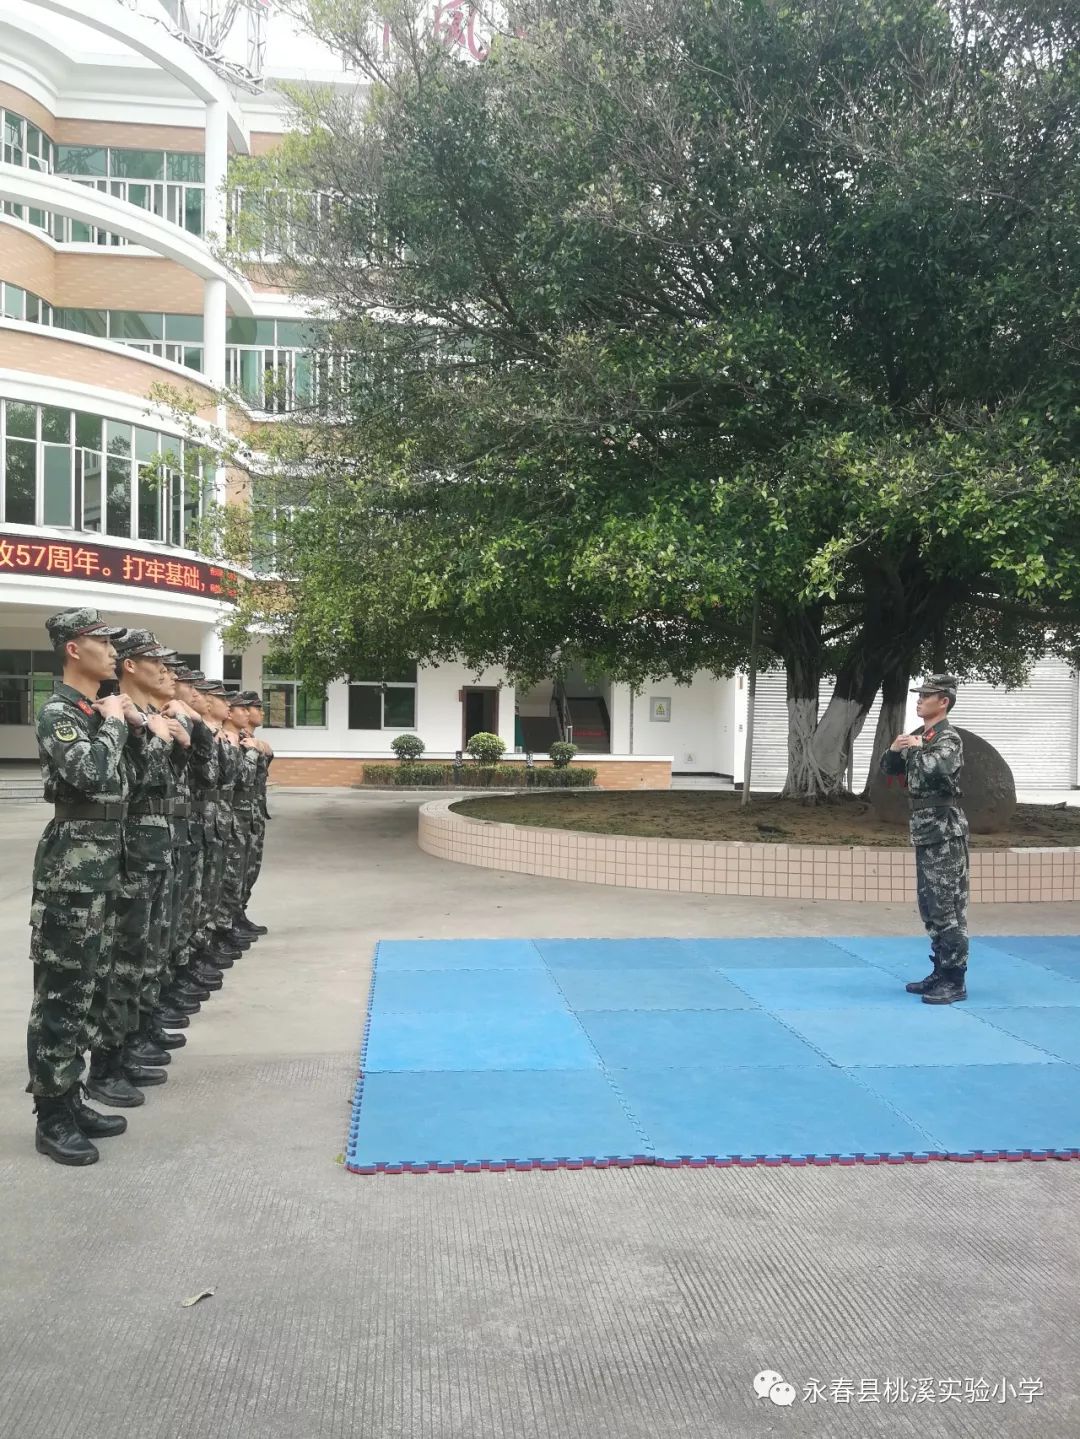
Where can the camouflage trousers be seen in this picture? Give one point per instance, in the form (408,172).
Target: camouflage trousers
(941,872)
(139,940)
(213,874)
(183,904)
(232,885)
(254,857)
(71,947)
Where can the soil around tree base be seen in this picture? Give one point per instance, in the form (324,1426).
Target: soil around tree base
(768,819)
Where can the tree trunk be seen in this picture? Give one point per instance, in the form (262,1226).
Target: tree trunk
(894,688)
(802,661)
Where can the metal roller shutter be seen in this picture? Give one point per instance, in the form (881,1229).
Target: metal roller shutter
(770,733)
(1035,727)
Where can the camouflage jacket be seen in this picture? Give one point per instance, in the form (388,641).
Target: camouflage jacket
(202,774)
(261,777)
(227,760)
(244,791)
(148,837)
(84,760)
(931,773)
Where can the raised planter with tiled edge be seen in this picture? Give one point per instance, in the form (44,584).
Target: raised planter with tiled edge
(781,871)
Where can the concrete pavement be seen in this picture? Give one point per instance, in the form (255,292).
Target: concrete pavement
(613,1304)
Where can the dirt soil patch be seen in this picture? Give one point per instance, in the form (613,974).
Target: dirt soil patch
(718,815)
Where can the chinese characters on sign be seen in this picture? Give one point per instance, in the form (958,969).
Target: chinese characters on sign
(898,1389)
(111,565)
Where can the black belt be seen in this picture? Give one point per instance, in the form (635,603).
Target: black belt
(208,796)
(179,808)
(110,812)
(935,802)
(150,806)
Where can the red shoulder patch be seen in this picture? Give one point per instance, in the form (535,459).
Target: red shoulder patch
(87,709)
(929,734)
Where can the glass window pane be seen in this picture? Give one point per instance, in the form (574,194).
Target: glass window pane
(192,357)
(57,497)
(264,332)
(81,160)
(185,167)
(56,424)
(88,469)
(310,707)
(33,309)
(399,708)
(250,375)
(365,707)
(183,327)
(278,705)
(146,444)
(19,482)
(232,668)
(117,438)
(14,302)
(15,662)
(88,431)
(304,392)
(138,164)
(118,477)
(135,325)
(239,330)
(294,333)
(406,675)
(193,211)
(14,700)
(21,420)
(85,322)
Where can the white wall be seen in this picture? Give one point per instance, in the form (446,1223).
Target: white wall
(438,714)
(698,735)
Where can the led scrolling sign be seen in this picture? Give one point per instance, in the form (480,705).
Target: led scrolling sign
(113,565)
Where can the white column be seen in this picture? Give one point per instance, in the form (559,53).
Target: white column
(214,301)
(217,168)
(212,655)
(741,707)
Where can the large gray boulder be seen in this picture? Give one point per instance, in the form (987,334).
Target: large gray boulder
(987,782)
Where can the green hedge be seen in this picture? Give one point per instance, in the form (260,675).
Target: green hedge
(472,776)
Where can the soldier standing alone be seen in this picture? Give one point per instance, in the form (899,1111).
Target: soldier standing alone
(930,761)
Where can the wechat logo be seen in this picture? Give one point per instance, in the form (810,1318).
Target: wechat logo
(774,1386)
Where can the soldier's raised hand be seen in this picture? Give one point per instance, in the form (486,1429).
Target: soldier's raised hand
(159,725)
(112,707)
(178,732)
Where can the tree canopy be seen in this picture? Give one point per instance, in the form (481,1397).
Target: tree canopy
(663,309)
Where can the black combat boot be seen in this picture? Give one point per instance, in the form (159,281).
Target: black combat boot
(168,1016)
(235,939)
(93,1124)
(58,1135)
(162,1039)
(108,1084)
(948,987)
(188,991)
(142,1075)
(220,958)
(242,922)
(206,978)
(920,986)
(141,1049)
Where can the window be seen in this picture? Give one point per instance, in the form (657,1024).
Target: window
(390,704)
(287,702)
(26,681)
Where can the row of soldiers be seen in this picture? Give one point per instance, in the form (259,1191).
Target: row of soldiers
(143,875)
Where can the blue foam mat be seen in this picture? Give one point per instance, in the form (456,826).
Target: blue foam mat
(542,1053)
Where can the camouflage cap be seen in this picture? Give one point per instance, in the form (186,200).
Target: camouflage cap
(139,645)
(240,699)
(73,624)
(938,685)
(255,700)
(188,677)
(212,687)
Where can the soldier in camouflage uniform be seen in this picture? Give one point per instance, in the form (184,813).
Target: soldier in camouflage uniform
(190,967)
(260,814)
(83,744)
(929,762)
(218,827)
(244,756)
(125,1062)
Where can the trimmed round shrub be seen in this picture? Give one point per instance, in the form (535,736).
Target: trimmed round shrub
(562,752)
(486,749)
(408,747)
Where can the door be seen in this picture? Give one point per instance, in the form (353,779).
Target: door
(480,713)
